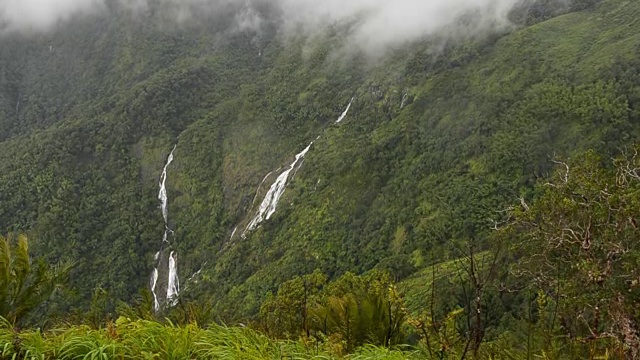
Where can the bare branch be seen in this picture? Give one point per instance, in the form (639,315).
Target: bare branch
(566,174)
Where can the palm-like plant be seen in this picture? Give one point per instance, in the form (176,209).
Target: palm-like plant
(25,285)
(360,318)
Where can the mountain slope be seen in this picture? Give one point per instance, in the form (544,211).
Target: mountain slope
(398,187)
(438,138)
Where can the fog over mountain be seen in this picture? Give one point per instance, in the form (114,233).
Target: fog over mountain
(388,23)
(380,23)
(40,15)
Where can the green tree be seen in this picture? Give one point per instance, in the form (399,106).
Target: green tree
(25,285)
(360,309)
(286,315)
(578,243)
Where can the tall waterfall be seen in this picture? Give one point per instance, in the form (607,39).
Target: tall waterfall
(270,202)
(271,199)
(173,282)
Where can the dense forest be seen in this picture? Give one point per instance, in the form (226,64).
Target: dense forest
(457,197)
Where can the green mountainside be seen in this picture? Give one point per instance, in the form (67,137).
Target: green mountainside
(438,140)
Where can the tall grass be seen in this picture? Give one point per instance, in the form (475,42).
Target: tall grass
(142,339)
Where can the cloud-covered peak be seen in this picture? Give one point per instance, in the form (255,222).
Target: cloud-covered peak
(378,24)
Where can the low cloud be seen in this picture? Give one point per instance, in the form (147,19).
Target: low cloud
(40,15)
(377,24)
(382,23)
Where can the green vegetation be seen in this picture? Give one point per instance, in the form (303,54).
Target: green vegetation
(577,246)
(351,311)
(559,282)
(126,339)
(403,188)
(465,207)
(23,285)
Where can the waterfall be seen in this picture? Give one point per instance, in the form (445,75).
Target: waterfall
(258,190)
(162,195)
(270,202)
(173,287)
(346,111)
(154,281)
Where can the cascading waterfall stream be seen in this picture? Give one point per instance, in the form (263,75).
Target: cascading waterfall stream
(346,111)
(173,282)
(173,288)
(162,195)
(270,202)
(258,190)
(271,199)
(154,281)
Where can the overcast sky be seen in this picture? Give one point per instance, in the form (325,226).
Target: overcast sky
(386,22)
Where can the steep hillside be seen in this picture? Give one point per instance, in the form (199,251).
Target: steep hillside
(400,187)
(436,140)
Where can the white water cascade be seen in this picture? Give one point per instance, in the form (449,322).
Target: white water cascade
(154,282)
(270,202)
(173,282)
(162,195)
(346,111)
(258,190)
(271,199)
(173,288)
